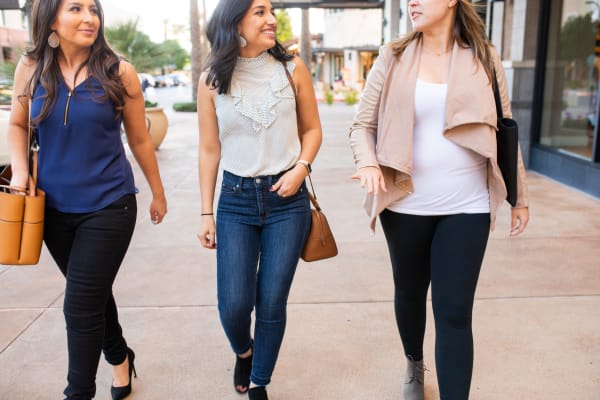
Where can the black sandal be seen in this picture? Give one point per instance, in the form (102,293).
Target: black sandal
(241,372)
(258,393)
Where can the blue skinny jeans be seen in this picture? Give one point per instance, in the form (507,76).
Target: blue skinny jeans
(260,237)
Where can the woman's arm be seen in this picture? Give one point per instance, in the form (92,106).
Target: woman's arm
(18,128)
(309,130)
(519,213)
(209,157)
(363,132)
(139,141)
(309,122)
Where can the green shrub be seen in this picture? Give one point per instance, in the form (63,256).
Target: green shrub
(7,71)
(191,106)
(150,104)
(573,123)
(351,97)
(328,96)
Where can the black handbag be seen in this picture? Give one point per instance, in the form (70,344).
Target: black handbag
(507,144)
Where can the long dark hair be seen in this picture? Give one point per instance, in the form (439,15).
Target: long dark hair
(102,63)
(469,32)
(222,33)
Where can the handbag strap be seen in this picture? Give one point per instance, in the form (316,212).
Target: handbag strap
(32,164)
(291,81)
(32,155)
(497,97)
(313,196)
(314,202)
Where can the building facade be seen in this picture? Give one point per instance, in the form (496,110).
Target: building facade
(564,135)
(351,40)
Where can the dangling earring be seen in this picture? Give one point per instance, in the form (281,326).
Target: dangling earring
(53,40)
(242,41)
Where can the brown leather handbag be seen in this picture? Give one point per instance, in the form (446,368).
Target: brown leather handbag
(22,214)
(320,243)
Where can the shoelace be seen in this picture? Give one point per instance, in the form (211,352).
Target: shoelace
(418,371)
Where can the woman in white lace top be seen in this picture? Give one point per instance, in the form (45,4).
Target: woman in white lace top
(249,127)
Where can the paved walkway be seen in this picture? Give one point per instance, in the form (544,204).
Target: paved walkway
(537,315)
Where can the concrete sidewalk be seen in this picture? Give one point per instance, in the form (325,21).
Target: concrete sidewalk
(536,319)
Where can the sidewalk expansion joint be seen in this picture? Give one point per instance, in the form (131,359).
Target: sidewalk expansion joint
(33,321)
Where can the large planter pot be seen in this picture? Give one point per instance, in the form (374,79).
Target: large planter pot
(157,123)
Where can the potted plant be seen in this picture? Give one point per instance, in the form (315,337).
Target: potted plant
(157,123)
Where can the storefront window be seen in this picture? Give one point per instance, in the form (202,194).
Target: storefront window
(570,113)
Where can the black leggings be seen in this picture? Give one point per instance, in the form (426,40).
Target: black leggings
(88,249)
(446,251)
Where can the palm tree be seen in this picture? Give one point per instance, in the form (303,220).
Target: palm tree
(306,48)
(137,47)
(196,39)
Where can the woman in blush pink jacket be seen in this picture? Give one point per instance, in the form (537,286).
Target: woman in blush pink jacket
(424,144)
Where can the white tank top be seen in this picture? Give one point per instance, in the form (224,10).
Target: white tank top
(447,178)
(257,119)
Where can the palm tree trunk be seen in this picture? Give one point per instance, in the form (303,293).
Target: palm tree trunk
(195,37)
(306,48)
(205,44)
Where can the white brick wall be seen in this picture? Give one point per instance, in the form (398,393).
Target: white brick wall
(352,28)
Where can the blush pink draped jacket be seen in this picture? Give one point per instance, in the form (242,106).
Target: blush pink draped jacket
(382,131)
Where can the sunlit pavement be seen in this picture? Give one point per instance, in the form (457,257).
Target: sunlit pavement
(537,315)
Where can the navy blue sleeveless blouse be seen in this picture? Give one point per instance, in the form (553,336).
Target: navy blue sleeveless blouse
(82,161)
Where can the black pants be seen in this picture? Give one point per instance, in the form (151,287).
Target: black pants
(89,249)
(446,251)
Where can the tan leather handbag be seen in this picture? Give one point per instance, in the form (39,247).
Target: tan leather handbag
(320,243)
(22,214)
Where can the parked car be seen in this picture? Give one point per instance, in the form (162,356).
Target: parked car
(180,79)
(163,81)
(4,157)
(146,80)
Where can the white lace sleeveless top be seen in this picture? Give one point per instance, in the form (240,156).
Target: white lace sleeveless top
(257,119)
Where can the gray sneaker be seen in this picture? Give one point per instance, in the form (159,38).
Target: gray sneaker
(414,388)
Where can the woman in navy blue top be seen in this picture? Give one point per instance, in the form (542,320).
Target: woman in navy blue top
(81,92)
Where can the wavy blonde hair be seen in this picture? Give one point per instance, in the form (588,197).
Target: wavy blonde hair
(469,32)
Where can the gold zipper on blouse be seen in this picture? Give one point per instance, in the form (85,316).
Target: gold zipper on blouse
(67,107)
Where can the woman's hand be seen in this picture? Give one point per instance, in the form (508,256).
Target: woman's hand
(208,233)
(158,208)
(371,178)
(518,221)
(290,182)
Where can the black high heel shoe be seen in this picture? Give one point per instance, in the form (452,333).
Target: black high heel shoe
(242,371)
(121,392)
